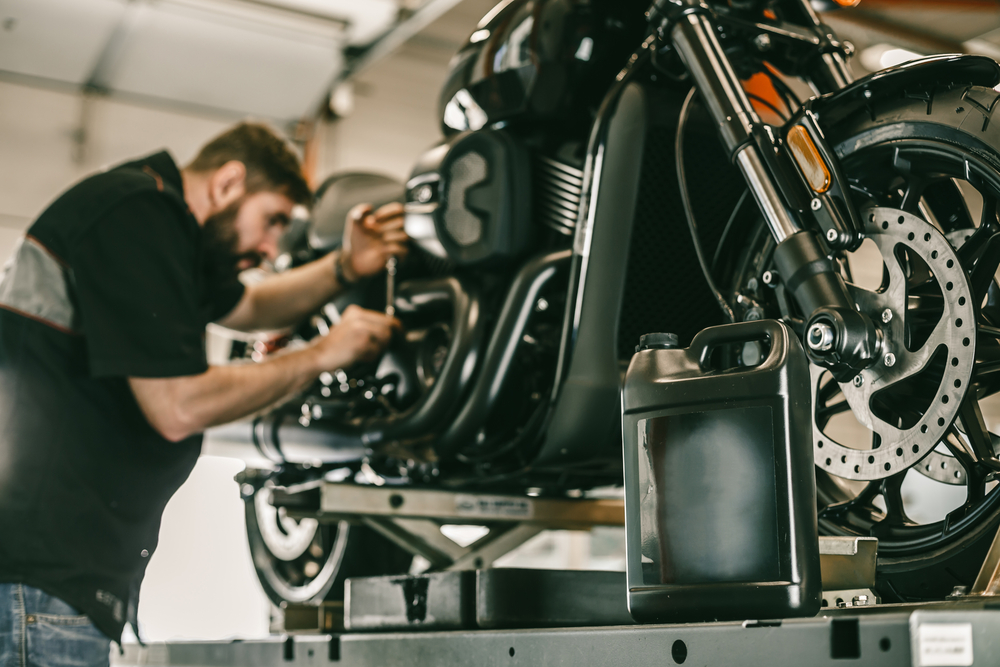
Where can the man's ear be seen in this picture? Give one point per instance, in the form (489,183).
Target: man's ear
(227,184)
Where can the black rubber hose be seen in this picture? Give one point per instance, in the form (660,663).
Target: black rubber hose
(689,211)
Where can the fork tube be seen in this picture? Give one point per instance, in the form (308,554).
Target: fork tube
(694,36)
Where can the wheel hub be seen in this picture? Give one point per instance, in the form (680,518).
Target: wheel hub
(285,537)
(899,446)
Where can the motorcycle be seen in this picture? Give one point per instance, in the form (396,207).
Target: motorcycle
(610,169)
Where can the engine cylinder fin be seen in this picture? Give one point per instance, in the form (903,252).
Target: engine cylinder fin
(563,190)
(558,191)
(559,208)
(572,172)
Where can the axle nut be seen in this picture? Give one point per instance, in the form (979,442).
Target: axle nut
(820,337)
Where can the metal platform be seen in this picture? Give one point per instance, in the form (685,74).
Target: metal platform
(949,634)
(412,517)
(474,616)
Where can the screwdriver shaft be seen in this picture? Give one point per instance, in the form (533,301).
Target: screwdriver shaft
(390,287)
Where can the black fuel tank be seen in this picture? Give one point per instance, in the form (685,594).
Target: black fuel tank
(540,60)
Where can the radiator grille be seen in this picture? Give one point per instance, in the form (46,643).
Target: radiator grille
(665,289)
(557,194)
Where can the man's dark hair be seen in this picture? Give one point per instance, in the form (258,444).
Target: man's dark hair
(271,164)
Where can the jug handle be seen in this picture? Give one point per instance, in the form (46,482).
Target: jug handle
(708,339)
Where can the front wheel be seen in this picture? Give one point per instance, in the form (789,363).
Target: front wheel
(906,451)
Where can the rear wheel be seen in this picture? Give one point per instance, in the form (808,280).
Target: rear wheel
(302,561)
(917,425)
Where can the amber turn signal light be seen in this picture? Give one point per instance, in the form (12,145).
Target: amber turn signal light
(809,160)
(847,3)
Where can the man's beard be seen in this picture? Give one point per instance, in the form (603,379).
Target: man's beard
(220,243)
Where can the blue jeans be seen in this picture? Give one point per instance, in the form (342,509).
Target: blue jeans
(38,630)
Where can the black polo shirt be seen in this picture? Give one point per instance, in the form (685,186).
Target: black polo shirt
(109,283)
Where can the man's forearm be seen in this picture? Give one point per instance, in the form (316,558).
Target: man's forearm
(180,407)
(286,298)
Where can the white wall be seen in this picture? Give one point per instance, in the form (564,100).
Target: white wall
(39,157)
(395,117)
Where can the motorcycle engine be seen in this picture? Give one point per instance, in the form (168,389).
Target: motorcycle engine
(468,199)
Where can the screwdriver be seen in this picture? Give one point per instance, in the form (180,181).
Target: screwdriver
(390,286)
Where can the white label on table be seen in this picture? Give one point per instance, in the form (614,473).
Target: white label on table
(944,644)
(492,506)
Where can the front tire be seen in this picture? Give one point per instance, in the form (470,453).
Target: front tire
(933,156)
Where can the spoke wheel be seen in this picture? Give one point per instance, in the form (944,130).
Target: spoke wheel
(929,195)
(306,561)
(297,560)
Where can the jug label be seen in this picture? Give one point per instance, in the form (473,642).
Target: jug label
(699,522)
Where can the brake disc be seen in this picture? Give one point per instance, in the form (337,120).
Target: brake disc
(901,447)
(939,465)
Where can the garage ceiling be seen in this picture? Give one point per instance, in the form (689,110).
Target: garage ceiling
(278,58)
(271,58)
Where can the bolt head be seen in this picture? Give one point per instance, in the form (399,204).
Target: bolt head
(886,315)
(890,360)
(424,193)
(816,204)
(858,380)
(831,235)
(762,42)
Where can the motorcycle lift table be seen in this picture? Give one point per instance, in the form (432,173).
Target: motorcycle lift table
(456,615)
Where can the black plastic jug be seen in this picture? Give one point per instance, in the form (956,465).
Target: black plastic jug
(720,493)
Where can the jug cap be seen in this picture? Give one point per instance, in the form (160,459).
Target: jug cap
(658,341)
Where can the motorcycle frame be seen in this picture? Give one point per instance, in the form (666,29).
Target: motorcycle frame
(586,337)
(691,29)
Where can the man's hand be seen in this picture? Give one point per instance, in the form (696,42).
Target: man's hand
(360,336)
(178,407)
(370,238)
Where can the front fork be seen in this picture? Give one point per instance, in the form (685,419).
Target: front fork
(793,200)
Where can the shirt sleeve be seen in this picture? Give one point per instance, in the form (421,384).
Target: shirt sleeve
(135,274)
(223,294)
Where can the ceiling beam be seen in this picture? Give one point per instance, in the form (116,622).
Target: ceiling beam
(360,58)
(99,80)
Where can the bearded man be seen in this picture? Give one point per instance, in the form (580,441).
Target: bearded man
(104,386)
